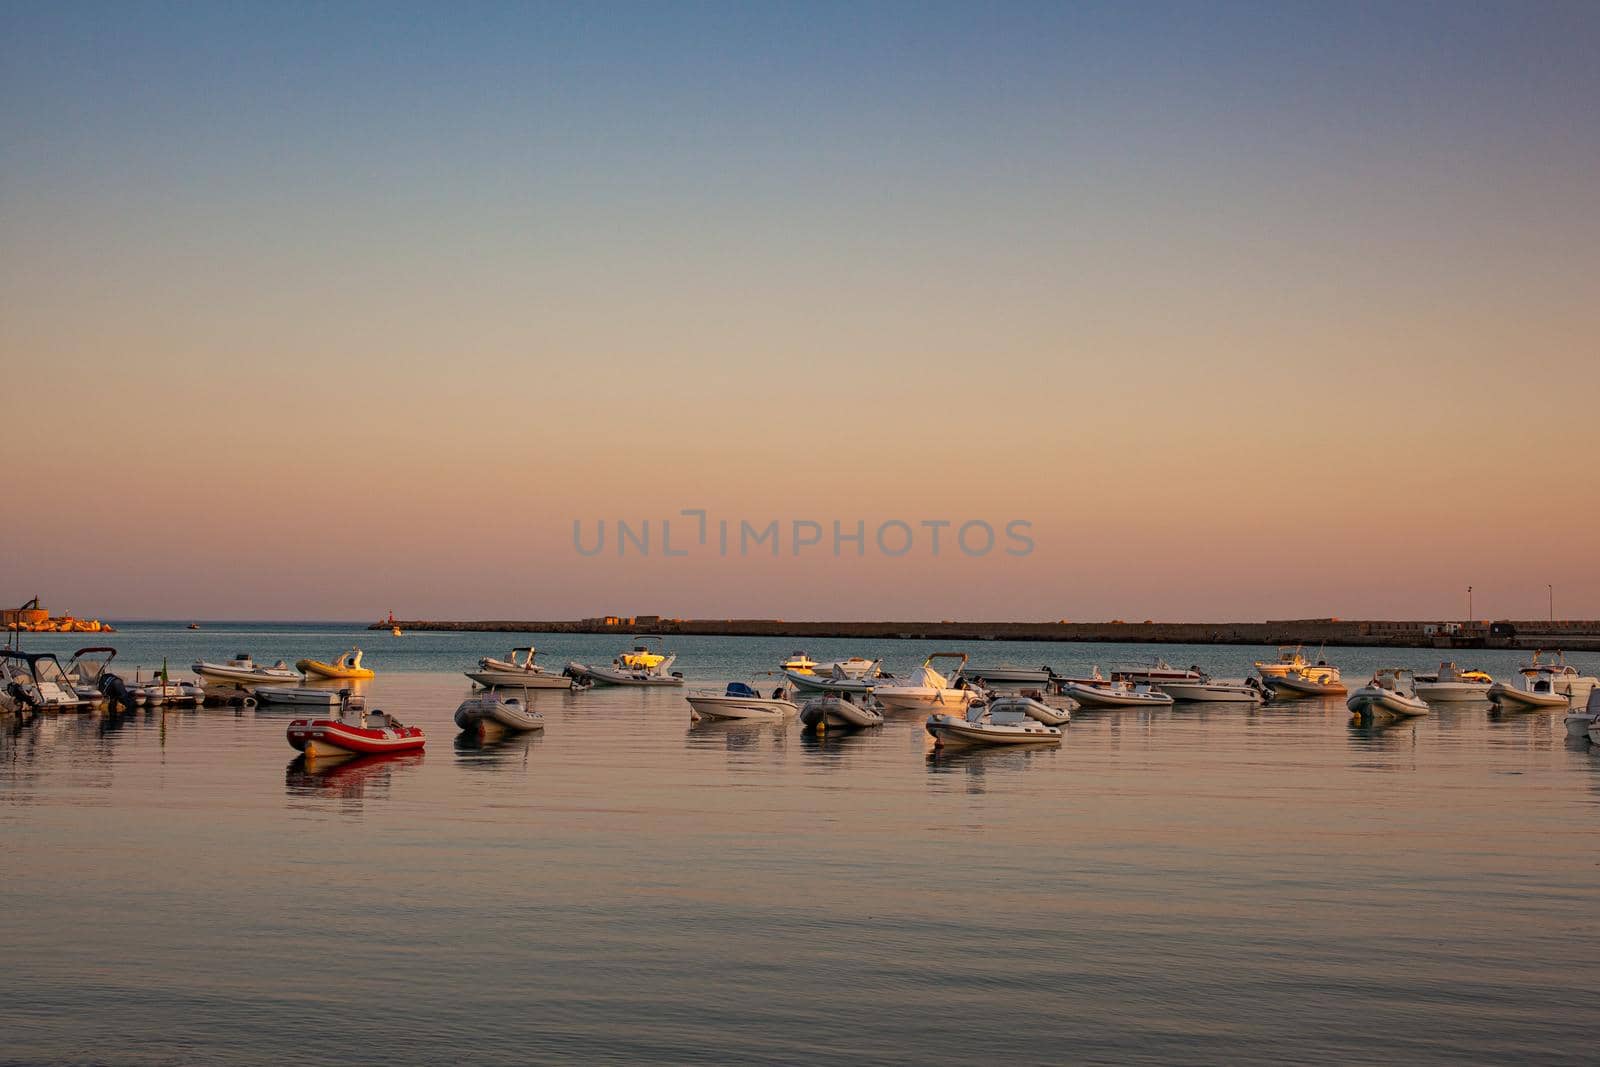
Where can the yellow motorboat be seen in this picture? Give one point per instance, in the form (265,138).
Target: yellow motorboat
(641,658)
(346,666)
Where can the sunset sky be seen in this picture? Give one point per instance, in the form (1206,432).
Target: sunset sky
(1252,310)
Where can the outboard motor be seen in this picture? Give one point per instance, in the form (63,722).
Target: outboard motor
(20,697)
(116,691)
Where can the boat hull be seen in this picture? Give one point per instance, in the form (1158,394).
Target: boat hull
(1093,696)
(1510,698)
(1211,693)
(493,679)
(823,712)
(951,730)
(1037,710)
(298,696)
(1008,675)
(726,707)
(213,672)
(310,667)
(610,676)
(1579,723)
(1292,688)
(1372,699)
(1452,692)
(478,712)
(330,737)
(923,698)
(819,683)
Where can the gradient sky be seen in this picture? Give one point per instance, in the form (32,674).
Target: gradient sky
(1253,310)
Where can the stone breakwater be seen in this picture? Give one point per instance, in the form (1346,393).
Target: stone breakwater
(1563,634)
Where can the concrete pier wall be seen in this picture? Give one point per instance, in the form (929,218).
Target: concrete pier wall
(1565,634)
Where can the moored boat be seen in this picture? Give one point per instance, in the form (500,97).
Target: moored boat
(518,672)
(1215,691)
(855,674)
(1154,673)
(1006,674)
(1032,705)
(161,691)
(638,666)
(90,675)
(742,701)
(834,709)
(346,666)
(1290,658)
(1391,690)
(1114,694)
(368,733)
(307,696)
(1564,678)
(1451,683)
(35,682)
(1579,723)
(797,661)
(241,668)
(1319,680)
(1536,691)
(995,724)
(928,689)
(487,709)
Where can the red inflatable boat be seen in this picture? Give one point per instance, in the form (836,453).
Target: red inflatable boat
(374,732)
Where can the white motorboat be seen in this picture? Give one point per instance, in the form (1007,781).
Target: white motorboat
(927,689)
(241,668)
(34,682)
(742,701)
(1033,706)
(638,666)
(1116,694)
(1536,691)
(995,724)
(853,675)
(832,709)
(308,696)
(1564,678)
(89,672)
(486,710)
(1316,680)
(1154,673)
(518,672)
(1579,723)
(1451,683)
(1005,674)
(1215,690)
(1392,690)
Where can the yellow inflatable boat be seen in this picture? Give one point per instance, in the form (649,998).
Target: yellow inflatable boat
(346,666)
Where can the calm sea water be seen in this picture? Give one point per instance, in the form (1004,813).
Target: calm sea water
(1211,885)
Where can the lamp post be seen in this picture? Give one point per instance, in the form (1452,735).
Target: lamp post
(1469,603)
(1552,589)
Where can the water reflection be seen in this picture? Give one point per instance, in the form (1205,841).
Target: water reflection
(494,746)
(350,780)
(1382,731)
(835,741)
(735,734)
(974,762)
